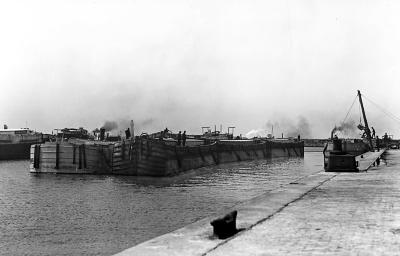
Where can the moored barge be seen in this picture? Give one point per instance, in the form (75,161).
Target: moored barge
(16,143)
(144,156)
(340,154)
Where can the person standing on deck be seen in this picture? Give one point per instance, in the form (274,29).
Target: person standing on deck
(373,132)
(184,138)
(179,138)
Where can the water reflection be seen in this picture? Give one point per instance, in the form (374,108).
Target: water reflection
(101,215)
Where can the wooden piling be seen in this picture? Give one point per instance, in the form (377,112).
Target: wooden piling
(84,156)
(36,157)
(74,154)
(57,156)
(80,157)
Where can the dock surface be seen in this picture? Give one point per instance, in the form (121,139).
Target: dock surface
(366,160)
(321,214)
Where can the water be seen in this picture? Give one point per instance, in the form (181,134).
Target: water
(102,215)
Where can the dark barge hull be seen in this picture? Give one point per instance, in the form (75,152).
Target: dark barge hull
(340,155)
(340,163)
(15,151)
(150,157)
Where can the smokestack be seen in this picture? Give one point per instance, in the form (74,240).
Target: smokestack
(102,133)
(132,131)
(332,132)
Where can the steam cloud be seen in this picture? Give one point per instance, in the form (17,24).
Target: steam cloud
(256,133)
(285,126)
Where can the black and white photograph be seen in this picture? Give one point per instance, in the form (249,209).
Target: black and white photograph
(188,127)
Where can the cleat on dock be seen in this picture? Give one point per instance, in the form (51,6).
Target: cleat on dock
(225,227)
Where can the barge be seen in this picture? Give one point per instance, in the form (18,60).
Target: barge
(16,143)
(340,155)
(145,156)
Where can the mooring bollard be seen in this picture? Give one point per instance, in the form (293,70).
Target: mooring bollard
(225,227)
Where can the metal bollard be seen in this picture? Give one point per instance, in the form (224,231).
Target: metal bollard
(225,227)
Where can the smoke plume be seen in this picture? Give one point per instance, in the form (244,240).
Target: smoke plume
(346,129)
(109,126)
(285,126)
(256,133)
(302,128)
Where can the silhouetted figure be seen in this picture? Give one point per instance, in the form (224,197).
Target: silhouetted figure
(373,132)
(127,133)
(377,143)
(184,138)
(378,161)
(179,138)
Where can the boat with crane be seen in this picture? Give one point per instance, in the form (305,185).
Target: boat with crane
(344,154)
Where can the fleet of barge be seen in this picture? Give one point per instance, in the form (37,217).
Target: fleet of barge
(151,156)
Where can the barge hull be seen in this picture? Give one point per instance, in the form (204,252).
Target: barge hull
(14,151)
(150,157)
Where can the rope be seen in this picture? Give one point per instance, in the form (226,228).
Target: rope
(349,110)
(395,118)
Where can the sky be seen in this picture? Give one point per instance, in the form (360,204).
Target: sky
(182,64)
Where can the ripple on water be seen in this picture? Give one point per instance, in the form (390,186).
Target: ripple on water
(102,215)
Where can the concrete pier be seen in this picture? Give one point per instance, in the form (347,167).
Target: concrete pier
(366,160)
(321,214)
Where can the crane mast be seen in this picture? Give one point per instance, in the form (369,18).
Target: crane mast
(367,131)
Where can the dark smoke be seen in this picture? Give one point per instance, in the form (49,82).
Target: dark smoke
(348,128)
(302,128)
(109,126)
(288,128)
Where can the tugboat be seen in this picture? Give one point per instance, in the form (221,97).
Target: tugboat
(340,154)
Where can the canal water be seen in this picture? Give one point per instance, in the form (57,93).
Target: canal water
(51,214)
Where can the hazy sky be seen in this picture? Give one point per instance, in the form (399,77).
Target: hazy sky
(185,64)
